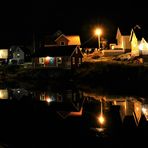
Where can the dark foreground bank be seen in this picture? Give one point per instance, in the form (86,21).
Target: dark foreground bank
(111,76)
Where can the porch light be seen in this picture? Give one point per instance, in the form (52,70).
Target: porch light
(48,100)
(47,58)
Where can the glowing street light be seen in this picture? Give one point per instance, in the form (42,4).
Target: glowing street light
(98,32)
(101,118)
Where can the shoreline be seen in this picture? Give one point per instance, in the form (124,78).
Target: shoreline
(118,78)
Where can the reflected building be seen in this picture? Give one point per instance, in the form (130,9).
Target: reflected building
(18,93)
(4,94)
(145,110)
(72,102)
(65,102)
(130,108)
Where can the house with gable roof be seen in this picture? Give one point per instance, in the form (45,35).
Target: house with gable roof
(66,57)
(138,39)
(60,39)
(122,38)
(14,55)
(59,50)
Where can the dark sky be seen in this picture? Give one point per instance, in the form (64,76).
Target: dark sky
(19,19)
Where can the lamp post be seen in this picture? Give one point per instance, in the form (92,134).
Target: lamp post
(98,32)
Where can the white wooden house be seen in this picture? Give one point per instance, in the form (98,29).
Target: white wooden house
(16,55)
(122,38)
(139,44)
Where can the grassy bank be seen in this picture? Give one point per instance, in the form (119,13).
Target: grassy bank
(111,76)
(121,78)
(101,72)
(88,72)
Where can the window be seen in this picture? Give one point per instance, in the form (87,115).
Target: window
(62,43)
(59,59)
(79,60)
(41,60)
(76,50)
(73,60)
(18,55)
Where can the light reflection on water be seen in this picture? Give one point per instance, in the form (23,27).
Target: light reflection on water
(92,114)
(129,106)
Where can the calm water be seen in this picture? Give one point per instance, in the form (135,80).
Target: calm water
(71,118)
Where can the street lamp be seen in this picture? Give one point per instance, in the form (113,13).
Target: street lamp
(98,32)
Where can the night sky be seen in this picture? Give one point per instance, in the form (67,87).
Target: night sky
(19,19)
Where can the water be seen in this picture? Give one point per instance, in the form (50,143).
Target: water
(71,117)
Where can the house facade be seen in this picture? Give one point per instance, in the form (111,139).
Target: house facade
(16,55)
(59,57)
(4,56)
(139,45)
(122,38)
(63,40)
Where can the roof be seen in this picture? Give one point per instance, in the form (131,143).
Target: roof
(60,37)
(73,39)
(55,51)
(23,48)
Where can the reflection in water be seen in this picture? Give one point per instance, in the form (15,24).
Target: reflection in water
(101,117)
(129,107)
(71,99)
(69,112)
(3,94)
(145,111)
(72,103)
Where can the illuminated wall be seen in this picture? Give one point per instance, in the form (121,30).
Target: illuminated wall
(134,46)
(122,41)
(137,111)
(143,47)
(3,94)
(3,53)
(126,43)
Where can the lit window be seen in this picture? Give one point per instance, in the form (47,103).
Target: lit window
(76,50)
(79,60)
(47,58)
(51,60)
(73,60)
(41,60)
(18,55)
(113,46)
(59,60)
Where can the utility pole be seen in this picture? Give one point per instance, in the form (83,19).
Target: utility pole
(34,47)
(34,42)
